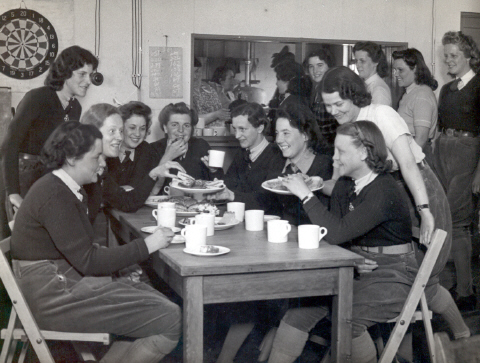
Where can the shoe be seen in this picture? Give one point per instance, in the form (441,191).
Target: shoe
(466,303)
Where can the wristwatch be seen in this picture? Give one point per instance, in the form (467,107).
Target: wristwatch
(422,206)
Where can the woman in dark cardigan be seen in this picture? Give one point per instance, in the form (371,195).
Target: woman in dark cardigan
(368,210)
(68,281)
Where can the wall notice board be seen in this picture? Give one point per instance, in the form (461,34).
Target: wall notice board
(165,77)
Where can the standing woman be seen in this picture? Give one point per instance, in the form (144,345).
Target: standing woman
(418,106)
(457,151)
(347,99)
(317,63)
(372,66)
(137,157)
(39,113)
(293,85)
(70,283)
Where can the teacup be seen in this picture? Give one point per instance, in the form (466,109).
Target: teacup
(165,216)
(215,158)
(219,131)
(278,230)
(310,235)
(207,132)
(238,208)
(254,220)
(207,219)
(195,236)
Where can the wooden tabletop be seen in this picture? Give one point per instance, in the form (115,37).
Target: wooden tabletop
(249,251)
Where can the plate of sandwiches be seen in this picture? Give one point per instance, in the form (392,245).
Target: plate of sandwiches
(221,223)
(197,186)
(184,206)
(314,183)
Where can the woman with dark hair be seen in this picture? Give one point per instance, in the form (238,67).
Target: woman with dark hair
(298,137)
(39,112)
(223,80)
(457,151)
(177,122)
(254,163)
(137,157)
(372,66)
(108,120)
(418,105)
(294,86)
(370,212)
(68,281)
(317,63)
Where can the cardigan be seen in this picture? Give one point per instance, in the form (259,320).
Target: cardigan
(52,224)
(38,114)
(245,178)
(377,216)
(145,159)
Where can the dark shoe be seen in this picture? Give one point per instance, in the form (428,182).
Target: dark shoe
(466,303)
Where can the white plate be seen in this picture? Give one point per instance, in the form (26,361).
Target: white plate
(151,229)
(174,184)
(218,227)
(222,251)
(316,185)
(153,200)
(268,217)
(178,239)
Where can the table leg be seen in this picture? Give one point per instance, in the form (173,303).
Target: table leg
(342,317)
(193,319)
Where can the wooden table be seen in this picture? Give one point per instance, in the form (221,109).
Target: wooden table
(253,270)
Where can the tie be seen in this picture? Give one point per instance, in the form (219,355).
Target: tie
(351,194)
(291,169)
(84,198)
(454,85)
(246,157)
(127,156)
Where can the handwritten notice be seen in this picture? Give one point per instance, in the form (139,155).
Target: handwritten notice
(165,76)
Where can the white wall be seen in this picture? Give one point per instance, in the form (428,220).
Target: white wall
(379,20)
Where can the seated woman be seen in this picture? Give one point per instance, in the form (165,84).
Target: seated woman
(69,282)
(372,66)
(252,165)
(108,120)
(299,139)
(177,121)
(137,157)
(368,210)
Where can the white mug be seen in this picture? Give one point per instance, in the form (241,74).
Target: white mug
(195,236)
(215,158)
(166,205)
(254,220)
(238,208)
(165,216)
(219,131)
(208,132)
(198,131)
(207,219)
(278,230)
(310,235)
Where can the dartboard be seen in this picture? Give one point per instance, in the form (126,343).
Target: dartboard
(28,44)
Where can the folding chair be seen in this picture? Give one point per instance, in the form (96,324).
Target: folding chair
(416,296)
(23,327)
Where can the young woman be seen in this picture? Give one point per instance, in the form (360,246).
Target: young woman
(418,106)
(293,85)
(137,157)
(67,280)
(39,113)
(177,122)
(299,139)
(368,210)
(254,163)
(372,66)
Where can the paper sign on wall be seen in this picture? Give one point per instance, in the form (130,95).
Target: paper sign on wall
(165,75)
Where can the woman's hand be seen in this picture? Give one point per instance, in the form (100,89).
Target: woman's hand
(296,185)
(223,114)
(366,267)
(159,239)
(163,170)
(175,148)
(427,226)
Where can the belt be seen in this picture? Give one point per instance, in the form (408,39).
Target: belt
(389,250)
(459,133)
(29,157)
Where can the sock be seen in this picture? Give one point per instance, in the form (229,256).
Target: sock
(363,349)
(288,344)
(235,337)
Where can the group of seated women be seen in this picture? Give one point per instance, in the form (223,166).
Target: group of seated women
(371,185)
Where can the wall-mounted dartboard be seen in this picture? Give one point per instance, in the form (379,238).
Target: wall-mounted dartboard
(28,44)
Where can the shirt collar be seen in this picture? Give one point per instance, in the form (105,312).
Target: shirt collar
(371,79)
(121,156)
(364,181)
(256,151)
(467,77)
(69,182)
(411,87)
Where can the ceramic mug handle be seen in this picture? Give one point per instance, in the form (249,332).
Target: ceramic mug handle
(322,233)
(154,214)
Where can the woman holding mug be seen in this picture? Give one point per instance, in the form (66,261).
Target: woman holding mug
(372,66)
(370,211)
(68,281)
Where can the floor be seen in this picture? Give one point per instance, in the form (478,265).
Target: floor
(215,333)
